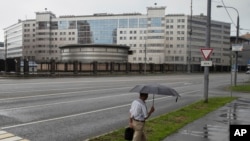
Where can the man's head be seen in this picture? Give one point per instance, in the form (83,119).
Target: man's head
(144,96)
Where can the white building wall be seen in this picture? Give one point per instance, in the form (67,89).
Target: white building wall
(14,38)
(176,39)
(168,43)
(29,39)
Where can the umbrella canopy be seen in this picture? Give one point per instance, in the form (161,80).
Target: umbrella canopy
(155,89)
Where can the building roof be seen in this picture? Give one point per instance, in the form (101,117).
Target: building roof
(247,36)
(93,45)
(233,38)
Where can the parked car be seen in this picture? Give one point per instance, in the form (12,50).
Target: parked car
(248,72)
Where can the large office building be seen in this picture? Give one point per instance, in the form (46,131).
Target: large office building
(1,50)
(154,37)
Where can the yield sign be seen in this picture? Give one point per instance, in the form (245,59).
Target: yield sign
(206,52)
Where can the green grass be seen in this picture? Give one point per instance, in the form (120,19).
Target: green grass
(241,88)
(160,127)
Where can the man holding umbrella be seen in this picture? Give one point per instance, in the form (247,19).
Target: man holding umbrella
(138,116)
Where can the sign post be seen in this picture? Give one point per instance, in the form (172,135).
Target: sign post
(236,48)
(208,38)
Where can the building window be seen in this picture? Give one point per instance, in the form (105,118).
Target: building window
(133,23)
(156,22)
(123,23)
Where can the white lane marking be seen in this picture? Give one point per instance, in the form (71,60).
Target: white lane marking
(14,138)
(16,98)
(72,101)
(55,94)
(93,81)
(69,116)
(34,106)
(85,113)
(78,87)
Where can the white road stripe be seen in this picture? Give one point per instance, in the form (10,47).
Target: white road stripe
(93,81)
(34,106)
(80,114)
(55,94)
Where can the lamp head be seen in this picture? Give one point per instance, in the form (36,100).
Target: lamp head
(219,6)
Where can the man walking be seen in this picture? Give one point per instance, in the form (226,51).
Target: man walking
(138,116)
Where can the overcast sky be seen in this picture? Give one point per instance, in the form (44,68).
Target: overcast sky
(12,10)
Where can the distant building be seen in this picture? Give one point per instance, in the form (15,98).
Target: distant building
(2,50)
(91,53)
(243,56)
(164,37)
(246,36)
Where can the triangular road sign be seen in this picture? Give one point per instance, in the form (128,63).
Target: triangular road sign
(206,52)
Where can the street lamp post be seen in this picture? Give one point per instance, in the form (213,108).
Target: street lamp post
(190,43)
(236,41)
(145,58)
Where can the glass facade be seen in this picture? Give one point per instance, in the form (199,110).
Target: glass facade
(133,23)
(100,31)
(143,23)
(123,23)
(63,25)
(156,22)
(104,31)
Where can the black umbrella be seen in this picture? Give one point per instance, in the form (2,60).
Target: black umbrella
(155,89)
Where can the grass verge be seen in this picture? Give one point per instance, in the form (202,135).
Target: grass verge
(160,127)
(241,88)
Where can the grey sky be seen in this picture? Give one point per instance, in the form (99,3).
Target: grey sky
(12,10)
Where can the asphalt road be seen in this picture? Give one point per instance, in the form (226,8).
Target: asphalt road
(75,109)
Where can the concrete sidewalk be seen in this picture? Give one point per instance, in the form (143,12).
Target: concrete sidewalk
(215,125)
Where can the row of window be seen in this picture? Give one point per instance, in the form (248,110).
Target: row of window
(178,32)
(212,25)
(55,33)
(174,58)
(172,20)
(28,25)
(154,31)
(178,45)
(140,59)
(64,39)
(172,26)
(133,32)
(44,46)
(41,51)
(177,38)
(28,30)
(49,58)
(132,38)
(46,51)
(149,51)
(174,51)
